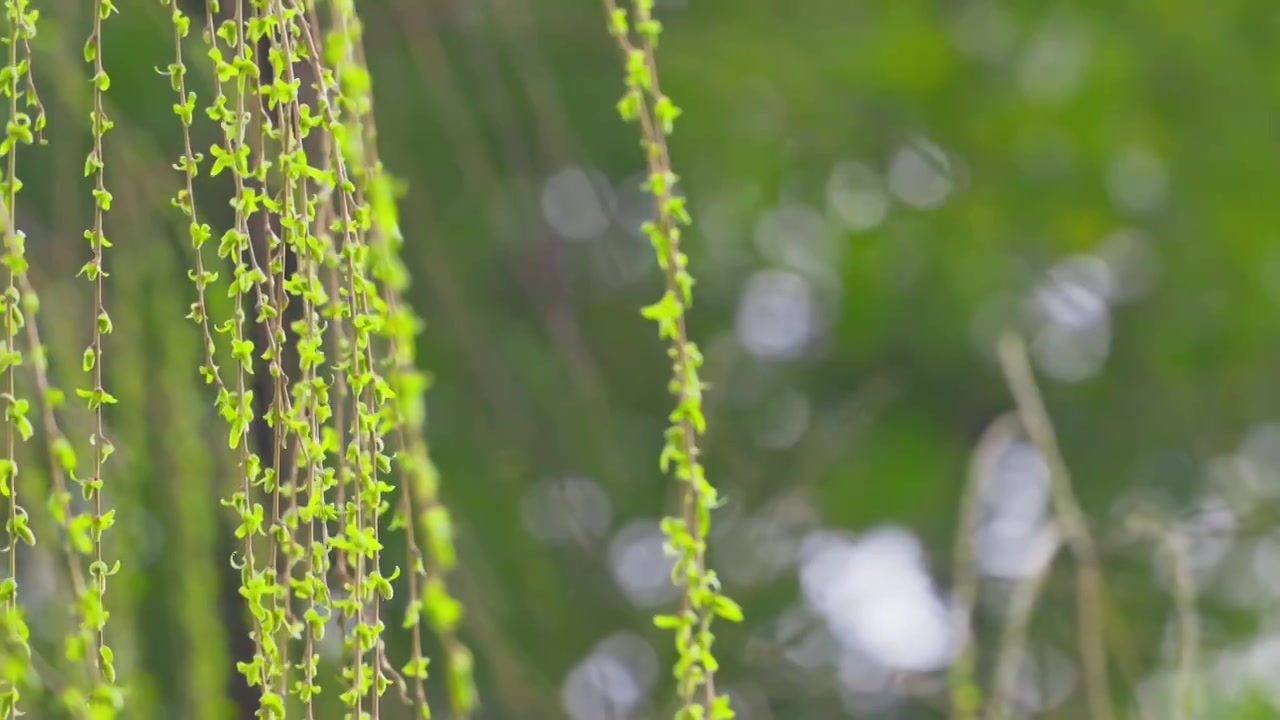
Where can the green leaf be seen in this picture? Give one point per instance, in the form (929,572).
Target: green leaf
(727,609)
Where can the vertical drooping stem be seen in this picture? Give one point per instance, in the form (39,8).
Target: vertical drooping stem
(1174,545)
(62,463)
(310,409)
(185,200)
(965,696)
(200,232)
(1012,647)
(315,218)
(236,404)
(80,535)
(19,130)
(1186,695)
(421,509)
(1070,521)
(360,300)
(93,606)
(266,256)
(656,113)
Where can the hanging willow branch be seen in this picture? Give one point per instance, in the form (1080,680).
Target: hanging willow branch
(421,509)
(93,607)
(332,208)
(19,130)
(645,103)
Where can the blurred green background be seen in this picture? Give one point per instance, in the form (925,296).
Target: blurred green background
(878,189)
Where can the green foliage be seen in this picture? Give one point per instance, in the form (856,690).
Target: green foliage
(302,334)
(313,274)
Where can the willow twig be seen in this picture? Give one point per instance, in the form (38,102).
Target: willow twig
(1173,542)
(965,694)
(1070,520)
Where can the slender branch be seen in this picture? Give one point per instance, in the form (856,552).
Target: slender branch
(1070,520)
(1173,543)
(966,697)
(1013,640)
(655,112)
